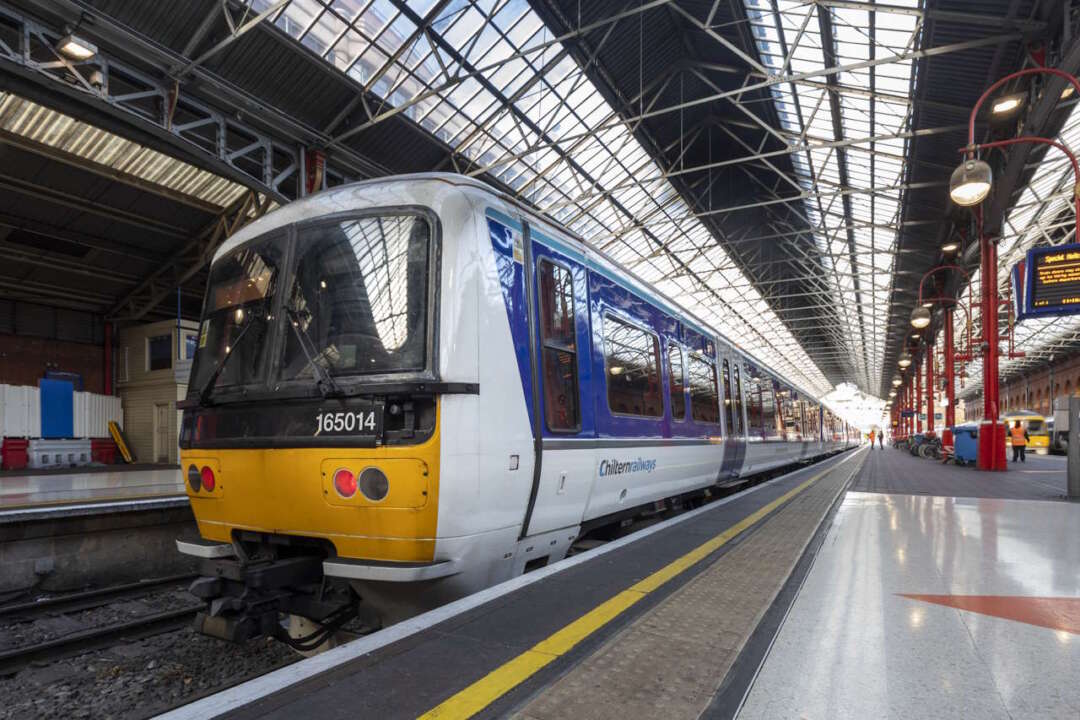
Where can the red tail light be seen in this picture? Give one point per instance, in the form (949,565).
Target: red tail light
(208,479)
(345,482)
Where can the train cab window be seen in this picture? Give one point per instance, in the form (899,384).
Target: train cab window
(359,303)
(704,398)
(557,335)
(632,369)
(677,382)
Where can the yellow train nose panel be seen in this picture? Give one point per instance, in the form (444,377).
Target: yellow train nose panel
(291,492)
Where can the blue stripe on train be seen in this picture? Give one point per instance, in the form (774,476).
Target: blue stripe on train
(512,282)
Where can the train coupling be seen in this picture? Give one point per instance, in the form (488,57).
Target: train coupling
(247,599)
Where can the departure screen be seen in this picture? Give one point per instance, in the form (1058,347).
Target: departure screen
(1055,278)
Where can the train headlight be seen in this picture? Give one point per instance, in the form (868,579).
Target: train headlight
(194,478)
(374,484)
(207,476)
(345,482)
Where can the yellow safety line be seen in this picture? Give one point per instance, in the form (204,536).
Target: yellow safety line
(505,678)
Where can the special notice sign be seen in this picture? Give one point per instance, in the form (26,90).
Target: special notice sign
(1053,280)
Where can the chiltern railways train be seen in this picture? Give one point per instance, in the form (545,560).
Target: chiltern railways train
(412,388)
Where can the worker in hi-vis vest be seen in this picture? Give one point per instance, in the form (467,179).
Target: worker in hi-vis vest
(1019,438)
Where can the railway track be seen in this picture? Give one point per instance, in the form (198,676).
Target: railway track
(89,599)
(12,660)
(15,659)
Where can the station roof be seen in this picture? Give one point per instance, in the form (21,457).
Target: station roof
(779,167)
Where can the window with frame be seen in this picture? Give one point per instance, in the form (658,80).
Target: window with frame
(559,346)
(191,343)
(632,369)
(704,398)
(159,352)
(753,402)
(729,406)
(677,382)
(770,420)
(738,396)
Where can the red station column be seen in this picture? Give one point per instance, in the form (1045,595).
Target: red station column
(929,387)
(950,412)
(918,400)
(991,453)
(950,392)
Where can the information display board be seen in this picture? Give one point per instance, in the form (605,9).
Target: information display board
(1052,285)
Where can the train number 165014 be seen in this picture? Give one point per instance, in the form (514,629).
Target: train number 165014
(348,421)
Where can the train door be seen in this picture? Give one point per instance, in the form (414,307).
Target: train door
(734,437)
(563,420)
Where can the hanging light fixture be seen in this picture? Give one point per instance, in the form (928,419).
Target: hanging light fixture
(896,381)
(75,48)
(950,246)
(905,360)
(1007,104)
(970,182)
(920,317)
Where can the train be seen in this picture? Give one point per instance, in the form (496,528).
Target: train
(411,388)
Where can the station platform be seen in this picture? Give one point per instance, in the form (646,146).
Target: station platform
(30,489)
(805,596)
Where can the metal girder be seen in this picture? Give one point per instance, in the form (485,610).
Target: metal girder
(218,135)
(190,259)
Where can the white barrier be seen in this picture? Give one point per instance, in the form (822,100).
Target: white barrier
(20,413)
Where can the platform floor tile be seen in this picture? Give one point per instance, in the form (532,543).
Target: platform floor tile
(670,662)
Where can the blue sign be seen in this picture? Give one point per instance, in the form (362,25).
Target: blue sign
(1051,281)
(907,413)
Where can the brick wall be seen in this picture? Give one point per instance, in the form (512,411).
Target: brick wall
(24,360)
(1033,392)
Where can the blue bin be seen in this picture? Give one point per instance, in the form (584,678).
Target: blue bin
(965,443)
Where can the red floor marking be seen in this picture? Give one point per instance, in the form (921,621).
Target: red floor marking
(1062,613)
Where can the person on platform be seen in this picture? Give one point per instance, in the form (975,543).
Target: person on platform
(881,439)
(1019,441)
(871,439)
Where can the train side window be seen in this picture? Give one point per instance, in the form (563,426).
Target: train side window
(632,369)
(559,347)
(704,399)
(729,413)
(754,402)
(738,395)
(677,382)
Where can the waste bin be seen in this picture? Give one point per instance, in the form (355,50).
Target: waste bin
(965,443)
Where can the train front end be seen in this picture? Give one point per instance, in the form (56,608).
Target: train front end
(311,430)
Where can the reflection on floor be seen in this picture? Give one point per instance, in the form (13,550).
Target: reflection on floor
(935,605)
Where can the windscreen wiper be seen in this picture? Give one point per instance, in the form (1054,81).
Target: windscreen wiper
(325,382)
(208,386)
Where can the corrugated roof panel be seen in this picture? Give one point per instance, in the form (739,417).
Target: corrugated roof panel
(56,130)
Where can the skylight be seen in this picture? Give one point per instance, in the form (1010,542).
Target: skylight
(487,78)
(856,189)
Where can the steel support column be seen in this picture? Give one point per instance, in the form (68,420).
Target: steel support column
(991,453)
(918,400)
(929,387)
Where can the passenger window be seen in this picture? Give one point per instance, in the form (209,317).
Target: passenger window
(632,362)
(738,397)
(677,383)
(704,401)
(729,412)
(753,402)
(559,350)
